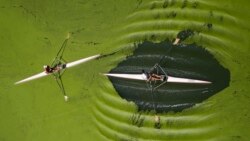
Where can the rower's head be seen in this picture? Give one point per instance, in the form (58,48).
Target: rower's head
(45,66)
(48,69)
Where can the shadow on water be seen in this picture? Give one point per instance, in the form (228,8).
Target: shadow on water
(185,61)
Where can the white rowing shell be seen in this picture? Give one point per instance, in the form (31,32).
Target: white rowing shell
(170,78)
(68,65)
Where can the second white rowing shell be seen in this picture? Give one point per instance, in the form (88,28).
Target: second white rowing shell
(170,78)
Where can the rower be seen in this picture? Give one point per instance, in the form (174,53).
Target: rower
(153,77)
(49,69)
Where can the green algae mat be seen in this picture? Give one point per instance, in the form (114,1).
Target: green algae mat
(32,31)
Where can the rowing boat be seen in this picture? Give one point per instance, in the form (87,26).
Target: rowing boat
(68,65)
(170,78)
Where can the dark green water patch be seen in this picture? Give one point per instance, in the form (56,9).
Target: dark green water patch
(185,61)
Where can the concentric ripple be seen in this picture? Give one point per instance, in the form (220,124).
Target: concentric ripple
(118,119)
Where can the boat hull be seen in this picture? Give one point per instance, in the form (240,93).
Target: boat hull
(170,78)
(68,65)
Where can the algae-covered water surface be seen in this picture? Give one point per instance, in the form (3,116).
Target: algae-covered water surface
(32,32)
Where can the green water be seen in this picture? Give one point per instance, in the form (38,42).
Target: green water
(32,32)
